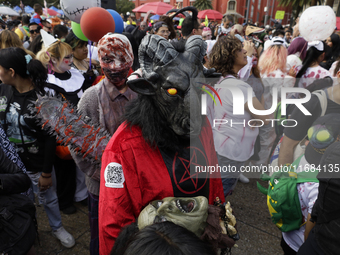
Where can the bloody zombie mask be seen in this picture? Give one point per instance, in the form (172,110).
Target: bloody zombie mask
(116,58)
(190,213)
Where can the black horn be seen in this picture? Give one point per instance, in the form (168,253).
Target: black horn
(154,51)
(196,46)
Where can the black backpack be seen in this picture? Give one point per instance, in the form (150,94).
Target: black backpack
(18,225)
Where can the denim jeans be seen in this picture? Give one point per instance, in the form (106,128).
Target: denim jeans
(48,199)
(229,179)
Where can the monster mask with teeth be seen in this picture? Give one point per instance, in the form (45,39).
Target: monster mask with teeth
(190,213)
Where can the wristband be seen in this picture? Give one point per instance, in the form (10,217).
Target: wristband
(46,177)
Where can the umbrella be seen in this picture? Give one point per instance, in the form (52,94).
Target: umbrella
(17,9)
(211,14)
(51,12)
(28,9)
(234,13)
(8,11)
(156,8)
(155,17)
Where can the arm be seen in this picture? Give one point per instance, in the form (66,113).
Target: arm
(258,106)
(309,226)
(312,191)
(293,135)
(12,179)
(118,206)
(287,150)
(45,180)
(88,106)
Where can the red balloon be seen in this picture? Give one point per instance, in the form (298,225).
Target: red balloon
(96,22)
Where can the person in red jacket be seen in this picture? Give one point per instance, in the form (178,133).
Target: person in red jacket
(155,153)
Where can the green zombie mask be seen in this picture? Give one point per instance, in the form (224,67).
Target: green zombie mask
(190,213)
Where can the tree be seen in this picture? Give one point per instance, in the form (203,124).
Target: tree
(203,5)
(297,5)
(124,6)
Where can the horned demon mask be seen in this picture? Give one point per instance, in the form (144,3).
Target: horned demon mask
(170,78)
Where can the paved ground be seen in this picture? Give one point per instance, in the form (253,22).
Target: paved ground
(258,234)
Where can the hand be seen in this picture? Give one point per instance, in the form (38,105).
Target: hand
(249,47)
(45,183)
(292,72)
(254,124)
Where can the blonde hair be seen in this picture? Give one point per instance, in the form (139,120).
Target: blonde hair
(10,39)
(58,50)
(274,58)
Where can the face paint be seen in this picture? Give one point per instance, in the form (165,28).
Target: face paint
(64,65)
(190,213)
(116,58)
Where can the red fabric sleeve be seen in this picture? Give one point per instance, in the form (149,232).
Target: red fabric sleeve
(117,206)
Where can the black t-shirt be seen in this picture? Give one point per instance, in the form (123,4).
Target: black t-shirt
(35,147)
(304,122)
(181,167)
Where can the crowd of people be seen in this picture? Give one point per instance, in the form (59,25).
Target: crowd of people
(140,87)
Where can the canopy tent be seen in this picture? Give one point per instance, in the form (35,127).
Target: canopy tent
(28,9)
(17,9)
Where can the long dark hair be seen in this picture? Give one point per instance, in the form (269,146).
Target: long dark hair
(14,58)
(312,55)
(163,238)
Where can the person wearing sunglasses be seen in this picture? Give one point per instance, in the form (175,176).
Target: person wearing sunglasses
(161,29)
(34,30)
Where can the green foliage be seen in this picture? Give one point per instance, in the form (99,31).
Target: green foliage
(203,5)
(124,6)
(296,4)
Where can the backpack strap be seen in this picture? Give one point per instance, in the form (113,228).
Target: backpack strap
(304,176)
(321,94)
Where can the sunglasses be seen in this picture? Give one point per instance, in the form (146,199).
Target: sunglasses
(49,28)
(35,31)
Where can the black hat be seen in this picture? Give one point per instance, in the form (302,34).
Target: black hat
(324,131)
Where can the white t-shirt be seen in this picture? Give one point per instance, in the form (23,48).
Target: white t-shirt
(308,193)
(311,74)
(234,141)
